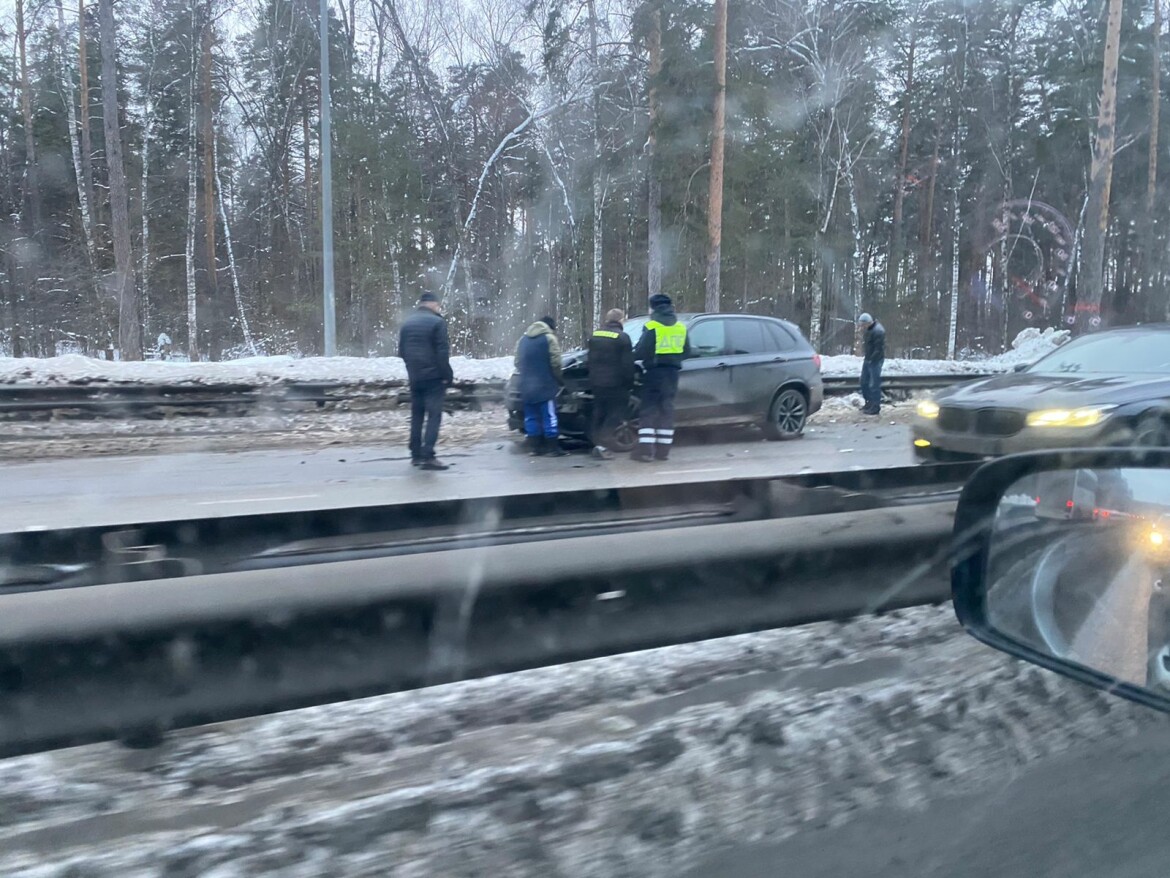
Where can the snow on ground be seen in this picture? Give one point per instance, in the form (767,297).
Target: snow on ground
(1029,345)
(77,369)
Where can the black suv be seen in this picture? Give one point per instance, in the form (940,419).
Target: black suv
(747,370)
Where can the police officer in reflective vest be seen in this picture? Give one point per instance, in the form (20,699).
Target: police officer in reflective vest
(661,349)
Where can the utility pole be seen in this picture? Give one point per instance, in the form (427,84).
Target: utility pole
(715,192)
(327,190)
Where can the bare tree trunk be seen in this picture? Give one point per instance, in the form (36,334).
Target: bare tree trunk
(1148,259)
(144,257)
(895,268)
(817,293)
(65,76)
(129,326)
(956,198)
(715,192)
(856,278)
(598,194)
(192,203)
(1155,109)
(209,173)
(231,257)
(1090,289)
(654,210)
(32,188)
(84,112)
(307,155)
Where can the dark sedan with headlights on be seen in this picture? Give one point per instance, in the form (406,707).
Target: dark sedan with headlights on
(1110,388)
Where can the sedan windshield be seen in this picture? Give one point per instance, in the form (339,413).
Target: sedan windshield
(1147,353)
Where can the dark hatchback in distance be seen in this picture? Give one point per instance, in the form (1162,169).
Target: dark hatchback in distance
(1110,388)
(747,370)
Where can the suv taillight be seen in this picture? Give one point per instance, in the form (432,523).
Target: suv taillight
(817,361)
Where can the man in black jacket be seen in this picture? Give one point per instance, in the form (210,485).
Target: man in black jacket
(424,346)
(611,378)
(872,362)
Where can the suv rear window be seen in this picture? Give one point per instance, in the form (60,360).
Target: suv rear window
(747,337)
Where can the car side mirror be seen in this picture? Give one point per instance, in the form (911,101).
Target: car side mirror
(1063,559)
(1020,367)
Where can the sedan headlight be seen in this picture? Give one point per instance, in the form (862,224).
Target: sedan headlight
(928,408)
(1082,417)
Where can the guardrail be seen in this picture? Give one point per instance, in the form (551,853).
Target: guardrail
(385,600)
(66,402)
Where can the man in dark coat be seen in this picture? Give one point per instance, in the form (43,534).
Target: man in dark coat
(424,346)
(611,379)
(538,361)
(874,357)
(661,350)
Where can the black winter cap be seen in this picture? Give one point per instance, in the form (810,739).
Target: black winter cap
(549,322)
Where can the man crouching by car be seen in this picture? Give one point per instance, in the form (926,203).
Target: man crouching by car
(538,362)
(611,380)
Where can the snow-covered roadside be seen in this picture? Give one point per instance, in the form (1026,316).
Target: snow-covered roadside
(1030,345)
(260,371)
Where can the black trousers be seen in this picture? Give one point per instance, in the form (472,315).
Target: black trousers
(610,406)
(426,406)
(656,419)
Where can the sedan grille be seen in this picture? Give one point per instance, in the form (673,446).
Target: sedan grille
(954,420)
(999,422)
(984,422)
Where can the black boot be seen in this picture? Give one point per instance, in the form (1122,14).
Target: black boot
(536,446)
(661,452)
(644,453)
(552,447)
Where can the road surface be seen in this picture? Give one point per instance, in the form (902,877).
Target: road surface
(115,490)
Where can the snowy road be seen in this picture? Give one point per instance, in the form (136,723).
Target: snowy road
(107,490)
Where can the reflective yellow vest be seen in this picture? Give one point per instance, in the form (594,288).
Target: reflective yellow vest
(668,339)
(606,333)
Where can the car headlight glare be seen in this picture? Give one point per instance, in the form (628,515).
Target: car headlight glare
(1082,417)
(928,408)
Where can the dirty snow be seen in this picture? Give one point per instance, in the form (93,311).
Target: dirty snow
(643,764)
(1028,346)
(262,371)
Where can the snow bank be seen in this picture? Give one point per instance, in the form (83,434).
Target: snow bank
(1029,346)
(77,369)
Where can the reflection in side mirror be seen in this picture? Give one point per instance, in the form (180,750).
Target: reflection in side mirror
(1074,573)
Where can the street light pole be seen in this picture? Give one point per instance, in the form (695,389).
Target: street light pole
(327,190)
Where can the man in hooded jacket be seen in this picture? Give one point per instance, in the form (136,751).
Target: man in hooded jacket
(538,362)
(661,350)
(871,367)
